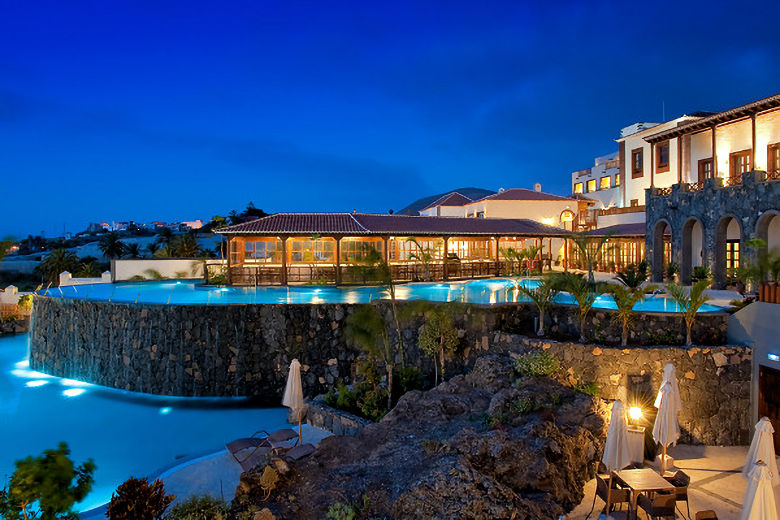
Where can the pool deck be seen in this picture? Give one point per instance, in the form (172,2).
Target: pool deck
(215,474)
(716,482)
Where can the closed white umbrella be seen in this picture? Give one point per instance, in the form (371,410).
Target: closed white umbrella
(670,376)
(616,453)
(666,430)
(763,448)
(759,502)
(293,394)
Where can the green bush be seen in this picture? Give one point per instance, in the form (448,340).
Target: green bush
(409,378)
(588,388)
(373,404)
(701,272)
(136,499)
(345,397)
(539,363)
(49,482)
(525,405)
(339,511)
(199,508)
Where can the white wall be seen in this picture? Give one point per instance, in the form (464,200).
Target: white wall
(67,279)
(701,148)
(733,137)
(10,296)
(697,240)
(622,218)
(444,211)
(767,132)
(538,210)
(123,270)
(773,235)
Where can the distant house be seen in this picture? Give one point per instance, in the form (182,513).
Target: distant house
(449,205)
(192,224)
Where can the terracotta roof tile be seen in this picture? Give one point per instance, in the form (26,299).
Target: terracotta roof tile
(523,194)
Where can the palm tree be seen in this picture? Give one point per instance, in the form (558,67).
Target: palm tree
(133,250)
(185,246)
(57,261)
(111,246)
(689,302)
(5,246)
(438,336)
(625,298)
(424,255)
(89,270)
(542,295)
(583,291)
(152,248)
(164,236)
(633,276)
(529,254)
(511,256)
(366,328)
(591,251)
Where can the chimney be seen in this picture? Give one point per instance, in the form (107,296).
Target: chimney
(501,190)
(538,188)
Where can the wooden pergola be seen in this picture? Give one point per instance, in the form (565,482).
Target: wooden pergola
(290,248)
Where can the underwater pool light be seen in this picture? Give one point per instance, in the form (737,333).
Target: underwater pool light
(73,382)
(23,364)
(36,382)
(73,392)
(29,374)
(165,410)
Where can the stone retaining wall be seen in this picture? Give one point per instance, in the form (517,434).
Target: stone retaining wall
(335,421)
(234,350)
(19,326)
(714,381)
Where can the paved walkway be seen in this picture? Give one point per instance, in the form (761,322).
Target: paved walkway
(716,481)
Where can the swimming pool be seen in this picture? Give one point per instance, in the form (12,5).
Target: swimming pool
(125,433)
(491,291)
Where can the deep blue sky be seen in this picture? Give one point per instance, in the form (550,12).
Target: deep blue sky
(178,110)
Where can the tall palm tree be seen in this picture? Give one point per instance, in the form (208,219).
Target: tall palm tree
(57,261)
(152,247)
(591,250)
(133,250)
(89,270)
(583,291)
(542,295)
(185,246)
(530,253)
(689,302)
(424,255)
(366,328)
(633,276)
(511,256)
(164,236)
(625,298)
(111,246)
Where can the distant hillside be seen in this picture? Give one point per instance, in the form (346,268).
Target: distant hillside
(416,206)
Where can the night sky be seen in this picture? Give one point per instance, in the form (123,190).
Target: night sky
(181,110)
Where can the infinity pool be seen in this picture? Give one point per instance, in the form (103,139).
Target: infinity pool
(125,433)
(492,291)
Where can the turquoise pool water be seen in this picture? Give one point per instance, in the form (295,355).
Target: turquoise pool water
(491,291)
(127,434)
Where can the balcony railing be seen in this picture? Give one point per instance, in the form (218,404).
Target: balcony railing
(620,211)
(732,180)
(723,182)
(695,186)
(772,175)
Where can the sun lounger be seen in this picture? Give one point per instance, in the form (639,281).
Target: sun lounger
(244,449)
(299,452)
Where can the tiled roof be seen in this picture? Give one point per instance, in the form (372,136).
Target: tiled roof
(732,114)
(523,194)
(351,224)
(451,199)
(619,230)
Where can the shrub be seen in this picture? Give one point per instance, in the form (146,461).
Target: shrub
(199,508)
(700,272)
(50,482)
(25,302)
(345,397)
(373,404)
(588,388)
(409,378)
(537,364)
(136,499)
(525,405)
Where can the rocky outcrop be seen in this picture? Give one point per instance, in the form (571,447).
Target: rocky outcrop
(484,445)
(17,326)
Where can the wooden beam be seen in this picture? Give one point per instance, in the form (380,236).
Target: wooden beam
(498,258)
(386,250)
(652,165)
(284,261)
(714,169)
(446,245)
(753,152)
(229,277)
(338,260)
(679,159)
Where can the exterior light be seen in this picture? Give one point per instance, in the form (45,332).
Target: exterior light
(73,392)
(548,221)
(773,357)
(635,413)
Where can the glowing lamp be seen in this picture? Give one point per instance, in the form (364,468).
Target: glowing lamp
(635,413)
(773,357)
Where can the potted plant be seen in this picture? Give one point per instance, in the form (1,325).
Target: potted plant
(670,271)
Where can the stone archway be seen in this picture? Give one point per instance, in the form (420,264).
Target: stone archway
(768,230)
(692,248)
(728,248)
(661,229)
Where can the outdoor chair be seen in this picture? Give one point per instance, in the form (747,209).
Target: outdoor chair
(660,506)
(244,449)
(298,452)
(618,496)
(681,481)
(709,514)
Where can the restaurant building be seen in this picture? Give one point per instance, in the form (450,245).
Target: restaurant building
(288,248)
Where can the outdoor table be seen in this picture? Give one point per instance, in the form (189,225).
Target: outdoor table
(642,480)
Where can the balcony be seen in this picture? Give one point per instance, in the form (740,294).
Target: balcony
(731,181)
(620,211)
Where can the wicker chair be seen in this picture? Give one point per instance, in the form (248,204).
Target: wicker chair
(681,481)
(618,495)
(660,506)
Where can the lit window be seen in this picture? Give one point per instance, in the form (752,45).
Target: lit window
(578,187)
(634,203)
(591,185)
(617,179)
(264,251)
(604,183)
(773,157)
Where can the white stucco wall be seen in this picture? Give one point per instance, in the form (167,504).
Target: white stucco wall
(697,240)
(731,138)
(67,279)
(767,132)
(123,270)
(538,210)
(701,148)
(444,211)
(622,218)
